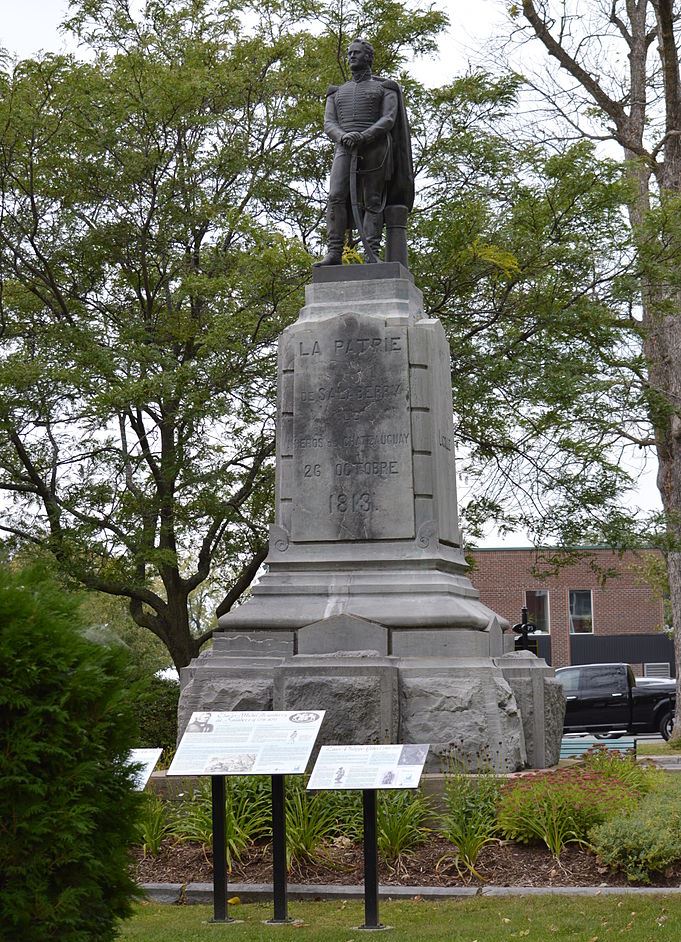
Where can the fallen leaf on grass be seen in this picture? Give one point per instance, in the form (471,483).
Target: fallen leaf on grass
(233,900)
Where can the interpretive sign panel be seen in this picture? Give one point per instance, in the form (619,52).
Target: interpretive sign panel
(368,767)
(247,743)
(352,461)
(147,758)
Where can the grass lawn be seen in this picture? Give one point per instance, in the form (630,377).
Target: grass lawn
(534,919)
(646,748)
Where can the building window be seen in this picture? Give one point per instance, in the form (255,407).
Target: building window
(581,612)
(537,605)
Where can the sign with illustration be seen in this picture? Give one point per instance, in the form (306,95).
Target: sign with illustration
(247,743)
(368,767)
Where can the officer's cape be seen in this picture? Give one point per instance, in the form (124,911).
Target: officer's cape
(400,186)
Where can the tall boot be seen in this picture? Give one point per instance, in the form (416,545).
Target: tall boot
(336,224)
(373,231)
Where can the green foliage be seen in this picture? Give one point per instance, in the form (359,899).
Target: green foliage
(311,819)
(561,807)
(622,767)
(347,810)
(154,824)
(248,815)
(644,840)
(639,845)
(401,823)
(470,820)
(67,804)
(110,622)
(156,709)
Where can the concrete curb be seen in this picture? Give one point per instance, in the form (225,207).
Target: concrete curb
(259,892)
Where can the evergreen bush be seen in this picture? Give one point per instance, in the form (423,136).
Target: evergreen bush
(67,805)
(156,712)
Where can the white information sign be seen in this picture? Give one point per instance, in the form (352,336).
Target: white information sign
(249,743)
(368,766)
(147,758)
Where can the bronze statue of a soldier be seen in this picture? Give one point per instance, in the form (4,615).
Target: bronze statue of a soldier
(372,177)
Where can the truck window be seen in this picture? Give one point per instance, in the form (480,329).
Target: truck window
(605,678)
(569,679)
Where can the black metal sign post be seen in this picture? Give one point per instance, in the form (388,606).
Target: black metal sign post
(219,850)
(524,628)
(370,861)
(279,879)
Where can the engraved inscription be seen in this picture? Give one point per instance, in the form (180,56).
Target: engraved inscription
(352,467)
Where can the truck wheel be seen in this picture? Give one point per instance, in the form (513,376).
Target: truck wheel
(667,725)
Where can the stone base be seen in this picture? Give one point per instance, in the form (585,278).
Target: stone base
(503,713)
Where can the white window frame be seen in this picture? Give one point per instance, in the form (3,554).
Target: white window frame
(548,609)
(591,596)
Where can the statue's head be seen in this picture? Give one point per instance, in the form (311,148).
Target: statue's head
(360,55)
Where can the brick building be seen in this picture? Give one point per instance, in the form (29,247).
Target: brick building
(583,618)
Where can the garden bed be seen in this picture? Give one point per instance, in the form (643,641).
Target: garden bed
(502,864)
(605,822)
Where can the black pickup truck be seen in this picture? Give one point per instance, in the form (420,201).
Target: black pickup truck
(606,698)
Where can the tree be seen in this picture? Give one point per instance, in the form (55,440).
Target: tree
(622,84)
(153,243)
(68,800)
(523,253)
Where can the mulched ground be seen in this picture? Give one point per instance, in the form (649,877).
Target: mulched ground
(500,864)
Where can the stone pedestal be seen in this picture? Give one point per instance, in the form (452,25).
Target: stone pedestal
(365,554)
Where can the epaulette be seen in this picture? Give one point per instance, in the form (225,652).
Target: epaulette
(393,86)
(331,89)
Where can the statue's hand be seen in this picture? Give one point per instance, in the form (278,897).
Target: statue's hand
(351,139)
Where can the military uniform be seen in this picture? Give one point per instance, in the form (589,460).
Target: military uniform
(371,107)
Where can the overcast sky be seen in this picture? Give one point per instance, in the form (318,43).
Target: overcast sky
(31,25)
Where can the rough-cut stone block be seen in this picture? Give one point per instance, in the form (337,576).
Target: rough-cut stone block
(226,684)
(541,703)
(554,718)
(342,633)
(467,712)
(359,695)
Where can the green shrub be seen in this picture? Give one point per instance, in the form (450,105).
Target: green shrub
(346,807)
(470,821)
(646,840)
(154,823)
(560,807)
(67,803)
(401,818)
(157,715)
(248,815)
(638,844)
(311,819)
(623,767)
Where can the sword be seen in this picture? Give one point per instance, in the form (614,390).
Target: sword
(368,251)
